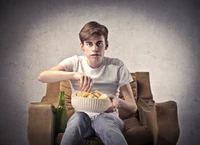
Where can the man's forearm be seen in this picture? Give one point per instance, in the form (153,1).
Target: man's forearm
(129,106)
(50,76)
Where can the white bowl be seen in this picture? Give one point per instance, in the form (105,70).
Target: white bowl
(90,104)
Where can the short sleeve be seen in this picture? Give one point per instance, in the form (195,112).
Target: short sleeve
(124,76)
(70,63)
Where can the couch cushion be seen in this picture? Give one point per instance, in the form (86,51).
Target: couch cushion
(135,133)
(133,87)
(66,86)
(52,94)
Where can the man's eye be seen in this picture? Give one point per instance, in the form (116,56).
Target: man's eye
(99,43)
(89,44)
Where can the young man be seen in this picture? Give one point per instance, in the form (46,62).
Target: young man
(90,72)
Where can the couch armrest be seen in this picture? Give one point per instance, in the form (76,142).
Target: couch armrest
(41,123)
(162,120)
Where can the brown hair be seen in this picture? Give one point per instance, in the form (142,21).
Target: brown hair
(93,29)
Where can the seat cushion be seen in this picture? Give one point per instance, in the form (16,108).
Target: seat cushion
(136,134)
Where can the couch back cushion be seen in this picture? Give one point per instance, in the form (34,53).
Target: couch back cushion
(133,87)
(65,86)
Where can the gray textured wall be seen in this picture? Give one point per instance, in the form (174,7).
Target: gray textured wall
(159,36)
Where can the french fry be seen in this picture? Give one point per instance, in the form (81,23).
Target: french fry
(85,94)
(104,96)
(74,95)
(79,93)
(98,92)
(90,96)
(95,94)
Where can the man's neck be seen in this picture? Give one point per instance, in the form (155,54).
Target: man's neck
(95,64)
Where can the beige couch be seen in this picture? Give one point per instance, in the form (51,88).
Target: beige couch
(154,123)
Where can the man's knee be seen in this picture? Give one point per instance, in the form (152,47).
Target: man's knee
(103,117)
(106,121)
(103,121)
(79,117)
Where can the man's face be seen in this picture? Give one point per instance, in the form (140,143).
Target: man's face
(94,50)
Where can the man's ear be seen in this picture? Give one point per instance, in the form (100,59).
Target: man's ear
(106,45)
(82,46)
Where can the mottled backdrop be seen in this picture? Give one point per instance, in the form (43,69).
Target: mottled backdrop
(158,36)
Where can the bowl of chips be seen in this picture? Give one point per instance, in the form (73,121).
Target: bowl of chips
(96,102)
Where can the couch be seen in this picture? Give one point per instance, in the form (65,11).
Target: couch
(153,123)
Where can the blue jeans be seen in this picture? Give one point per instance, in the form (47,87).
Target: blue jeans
(107,126)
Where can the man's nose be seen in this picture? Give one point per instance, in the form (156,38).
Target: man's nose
(95,48)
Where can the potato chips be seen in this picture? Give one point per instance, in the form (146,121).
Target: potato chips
(95,94)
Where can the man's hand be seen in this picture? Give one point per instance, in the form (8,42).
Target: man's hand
(115,104)
(86,82)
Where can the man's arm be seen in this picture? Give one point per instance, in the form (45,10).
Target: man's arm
(58,74)
(128,103)
(55,74)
